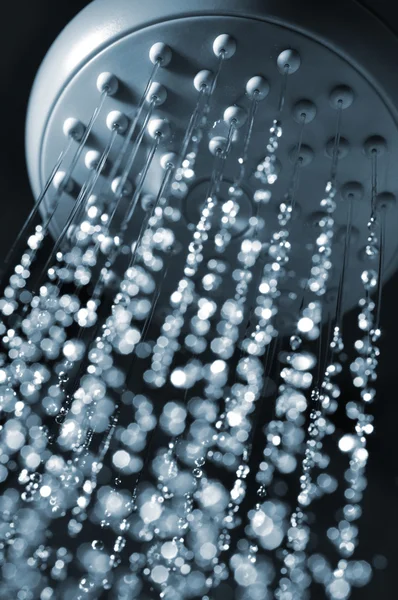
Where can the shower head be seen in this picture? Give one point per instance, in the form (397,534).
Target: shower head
(329,60)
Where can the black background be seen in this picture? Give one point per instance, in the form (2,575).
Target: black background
(28,29)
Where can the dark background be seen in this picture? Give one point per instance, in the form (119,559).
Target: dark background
(28,29)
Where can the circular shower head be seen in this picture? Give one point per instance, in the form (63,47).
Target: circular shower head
(304,48)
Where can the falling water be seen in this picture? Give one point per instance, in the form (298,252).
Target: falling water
(130,435)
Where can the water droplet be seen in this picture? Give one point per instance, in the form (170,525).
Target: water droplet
(295,342)
(97,544)
(369,279)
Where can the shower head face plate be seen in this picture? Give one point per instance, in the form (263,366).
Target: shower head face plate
(259,43)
